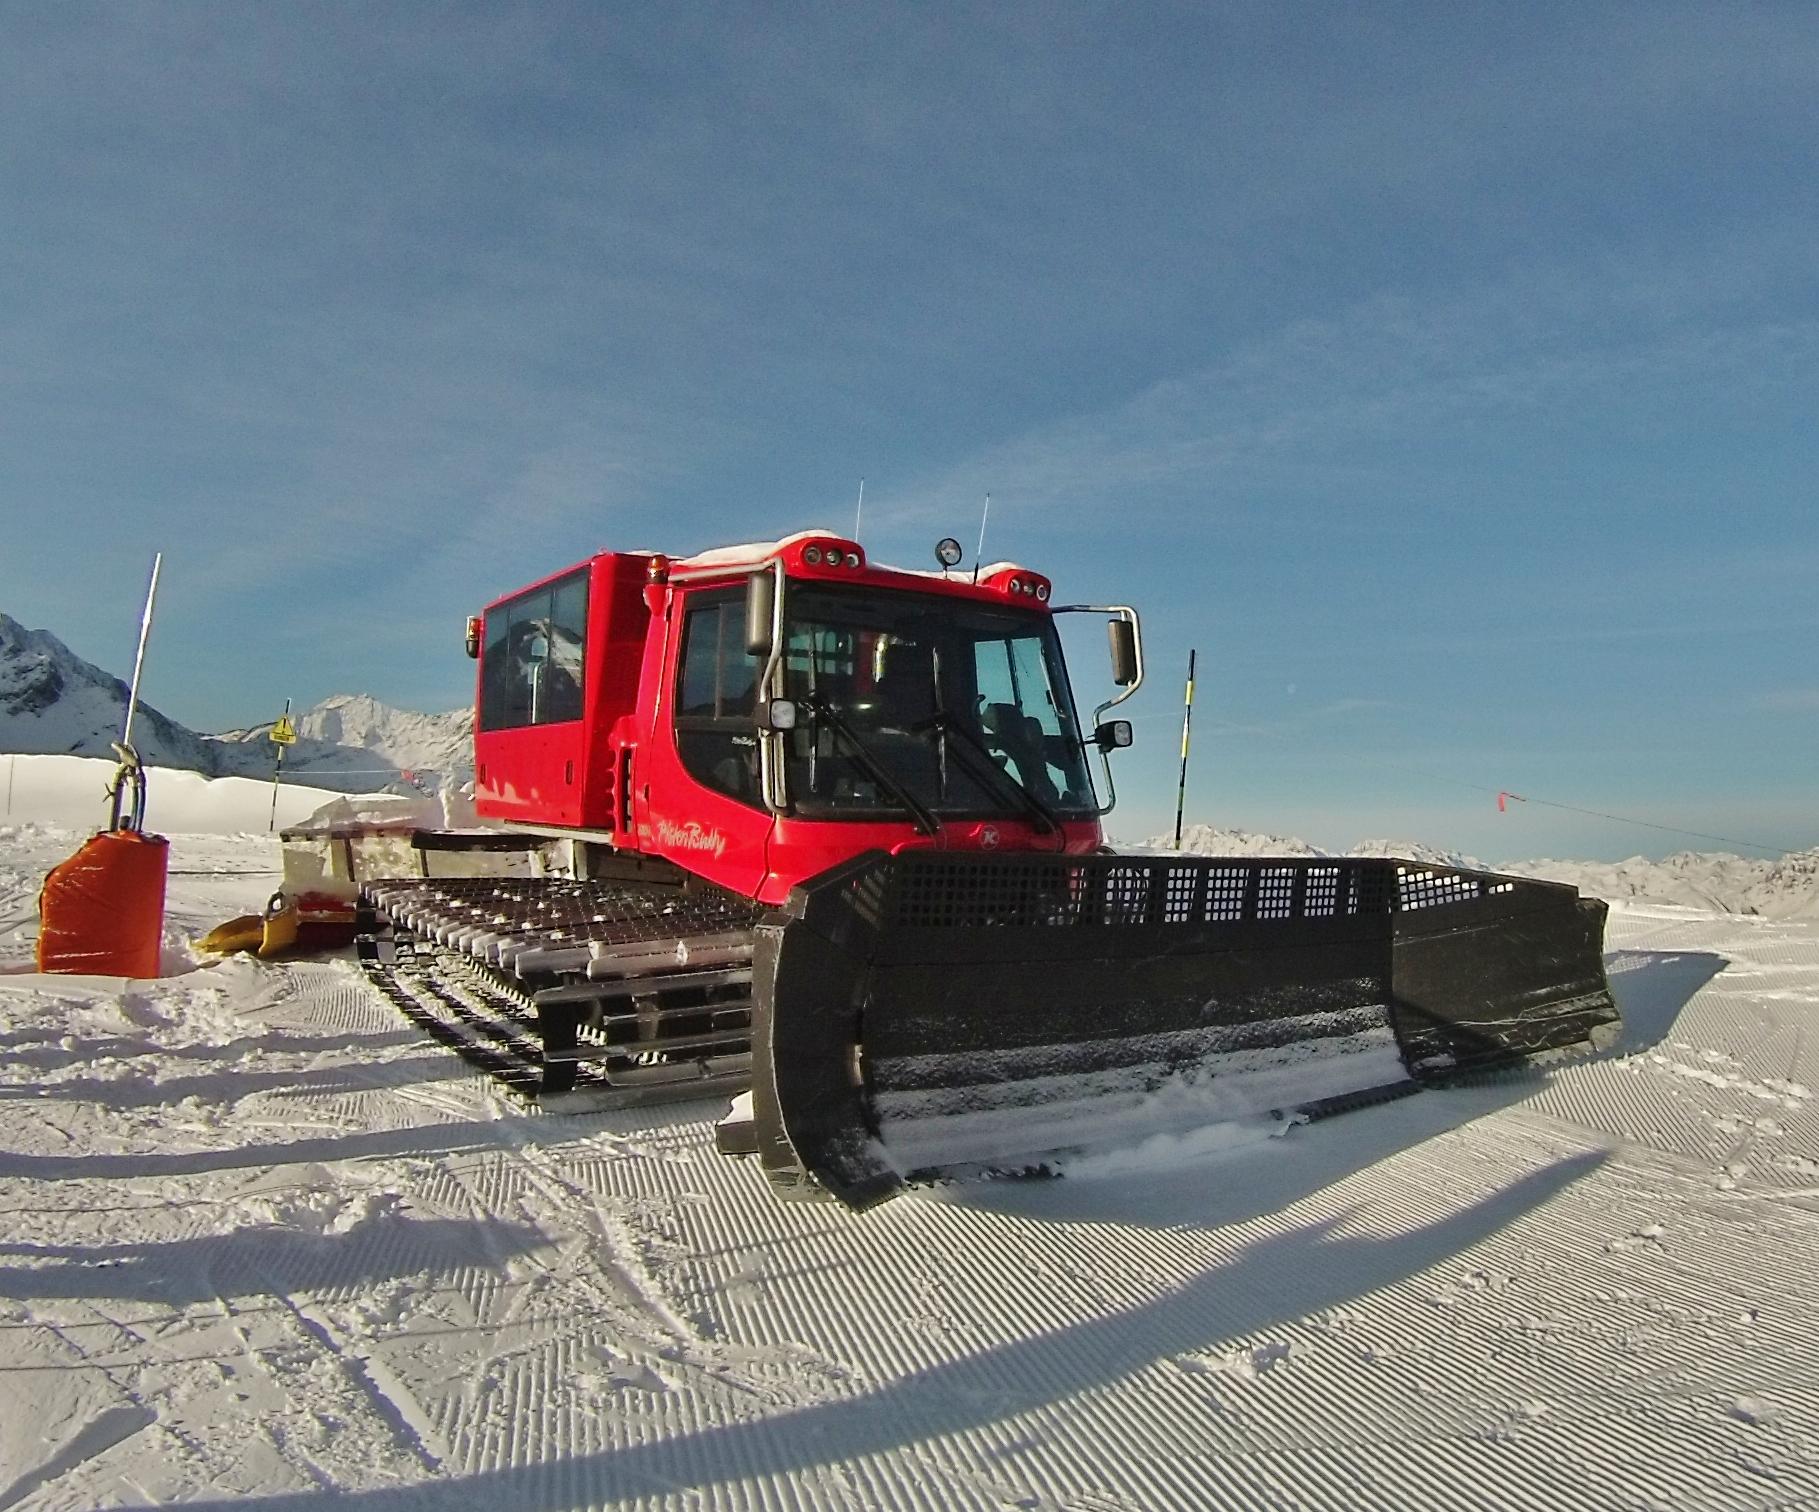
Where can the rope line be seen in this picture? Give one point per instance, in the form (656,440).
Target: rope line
(1650,824)
(1478,787)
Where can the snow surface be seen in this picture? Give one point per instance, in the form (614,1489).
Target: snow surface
(265,1246)
(71,792)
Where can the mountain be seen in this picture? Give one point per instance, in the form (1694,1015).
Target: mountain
(52,702)
(1207,840)
(350,730)
(1785,888)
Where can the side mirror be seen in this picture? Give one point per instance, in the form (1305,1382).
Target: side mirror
(1113,735)
(777,714)
(1124,652)
(760,610)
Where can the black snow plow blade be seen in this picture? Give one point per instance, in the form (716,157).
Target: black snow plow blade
(928,1014)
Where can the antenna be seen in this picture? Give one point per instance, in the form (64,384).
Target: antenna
(979,555)
(860,510)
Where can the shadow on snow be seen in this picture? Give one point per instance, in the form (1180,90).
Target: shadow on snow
(1286,1275)
(265,1260)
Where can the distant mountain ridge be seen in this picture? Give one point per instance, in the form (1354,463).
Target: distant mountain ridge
(349,725)
(52,702)
(1784,888)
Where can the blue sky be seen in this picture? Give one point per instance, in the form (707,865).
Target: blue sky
(1445,373)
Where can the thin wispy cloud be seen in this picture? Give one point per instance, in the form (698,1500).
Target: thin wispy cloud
(1445,362)
(1310,406)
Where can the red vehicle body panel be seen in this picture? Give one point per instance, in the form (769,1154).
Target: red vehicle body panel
(565,774)
(617,772)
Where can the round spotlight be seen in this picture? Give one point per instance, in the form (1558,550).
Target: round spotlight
(835,558)
(1042,593)
(812,556)
(948,552)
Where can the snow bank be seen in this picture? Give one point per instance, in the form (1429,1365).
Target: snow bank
(71,792)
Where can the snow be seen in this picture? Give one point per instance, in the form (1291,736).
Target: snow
(266,1245)
(748,553)
(358,734)
(71,792)
(1784,887)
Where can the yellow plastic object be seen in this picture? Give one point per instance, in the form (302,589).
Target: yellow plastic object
(270,933)
(244,933)
(279,932)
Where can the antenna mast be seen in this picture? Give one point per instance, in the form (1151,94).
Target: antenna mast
(858,512)
(145,630)
(979,555)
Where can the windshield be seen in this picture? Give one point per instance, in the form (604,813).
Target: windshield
(948,699)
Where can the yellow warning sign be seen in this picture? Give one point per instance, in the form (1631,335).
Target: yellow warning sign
(283,732)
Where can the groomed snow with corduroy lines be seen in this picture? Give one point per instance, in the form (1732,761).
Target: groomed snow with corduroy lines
(263,1246)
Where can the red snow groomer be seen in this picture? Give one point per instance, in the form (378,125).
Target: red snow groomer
(828,831)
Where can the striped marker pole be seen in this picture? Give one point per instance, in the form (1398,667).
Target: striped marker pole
(1187,721)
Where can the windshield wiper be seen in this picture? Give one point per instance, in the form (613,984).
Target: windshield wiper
(925,819)
(984,763)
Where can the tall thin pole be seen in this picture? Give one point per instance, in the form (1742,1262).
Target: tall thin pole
(859,509)
(1187,723)
(145,631)
(979,555)
(278,770)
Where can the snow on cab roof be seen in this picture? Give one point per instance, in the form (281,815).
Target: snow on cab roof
(753,552)
(750,551)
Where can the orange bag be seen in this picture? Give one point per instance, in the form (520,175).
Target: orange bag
(102,911)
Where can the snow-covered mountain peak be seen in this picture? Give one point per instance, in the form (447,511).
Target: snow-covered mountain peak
(52,702)
(359,723)
(1210,840)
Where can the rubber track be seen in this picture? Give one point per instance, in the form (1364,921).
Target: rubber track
(491,1020)
(511,1072)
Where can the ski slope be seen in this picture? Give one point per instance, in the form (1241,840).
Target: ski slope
(264,1247)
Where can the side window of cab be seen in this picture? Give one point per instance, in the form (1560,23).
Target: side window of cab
(715,696)
(533,665)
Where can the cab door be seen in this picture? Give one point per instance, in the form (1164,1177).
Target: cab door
(705,808)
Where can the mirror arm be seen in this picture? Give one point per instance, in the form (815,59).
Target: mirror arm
(1129,615)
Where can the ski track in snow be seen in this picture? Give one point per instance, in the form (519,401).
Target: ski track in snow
(263,1245)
